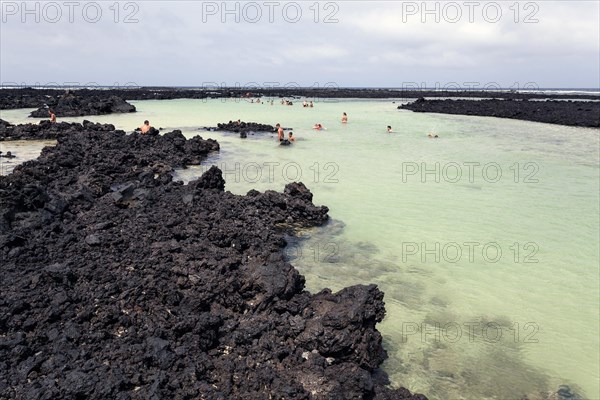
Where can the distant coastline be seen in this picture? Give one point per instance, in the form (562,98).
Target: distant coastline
(571,113)
(552,90)
(573,107)
(35,95)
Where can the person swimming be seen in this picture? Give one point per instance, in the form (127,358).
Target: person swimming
(318,127)
(8,155)
(344,118)
(432,135)
(389,129)
(291,137)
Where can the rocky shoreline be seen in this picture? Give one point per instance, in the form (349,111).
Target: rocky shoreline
(118,282)
(105,101)
(47,130)
(572,113)
(71,105)
(35,98)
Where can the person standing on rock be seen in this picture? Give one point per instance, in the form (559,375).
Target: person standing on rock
(145,128)
(52,116)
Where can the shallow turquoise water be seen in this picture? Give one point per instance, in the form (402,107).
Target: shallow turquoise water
(491,281)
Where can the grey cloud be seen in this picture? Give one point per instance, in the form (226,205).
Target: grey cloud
(172,44)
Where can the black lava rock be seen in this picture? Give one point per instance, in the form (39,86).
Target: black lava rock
(118,282)
(48,130)
(243,128)
(35,98)
(572,113)
(72,105)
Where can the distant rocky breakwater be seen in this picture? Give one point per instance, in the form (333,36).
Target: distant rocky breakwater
(118,282)
(572,113)
(36,98)
(83,102)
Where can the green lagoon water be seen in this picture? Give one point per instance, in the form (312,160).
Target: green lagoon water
(489,260)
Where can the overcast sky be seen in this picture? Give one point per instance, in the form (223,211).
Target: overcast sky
(343,43)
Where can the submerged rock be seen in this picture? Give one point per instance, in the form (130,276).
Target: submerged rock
(564,392)
(118,282)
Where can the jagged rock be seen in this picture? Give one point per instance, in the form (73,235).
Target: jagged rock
(72,105)
(573,113)
(243,128)
(211,179)
(48,130)
(296,189)
(118,282)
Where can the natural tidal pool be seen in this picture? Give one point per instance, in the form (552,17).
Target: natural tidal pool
(485,240)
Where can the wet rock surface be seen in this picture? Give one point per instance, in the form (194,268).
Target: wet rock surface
(118,282)
(72,105)
(243,128)
(572,113)
(48,130)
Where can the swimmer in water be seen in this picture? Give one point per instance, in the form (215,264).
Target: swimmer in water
(280,133)
(318,127)
(389,129)
(344,118)
(291,137)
